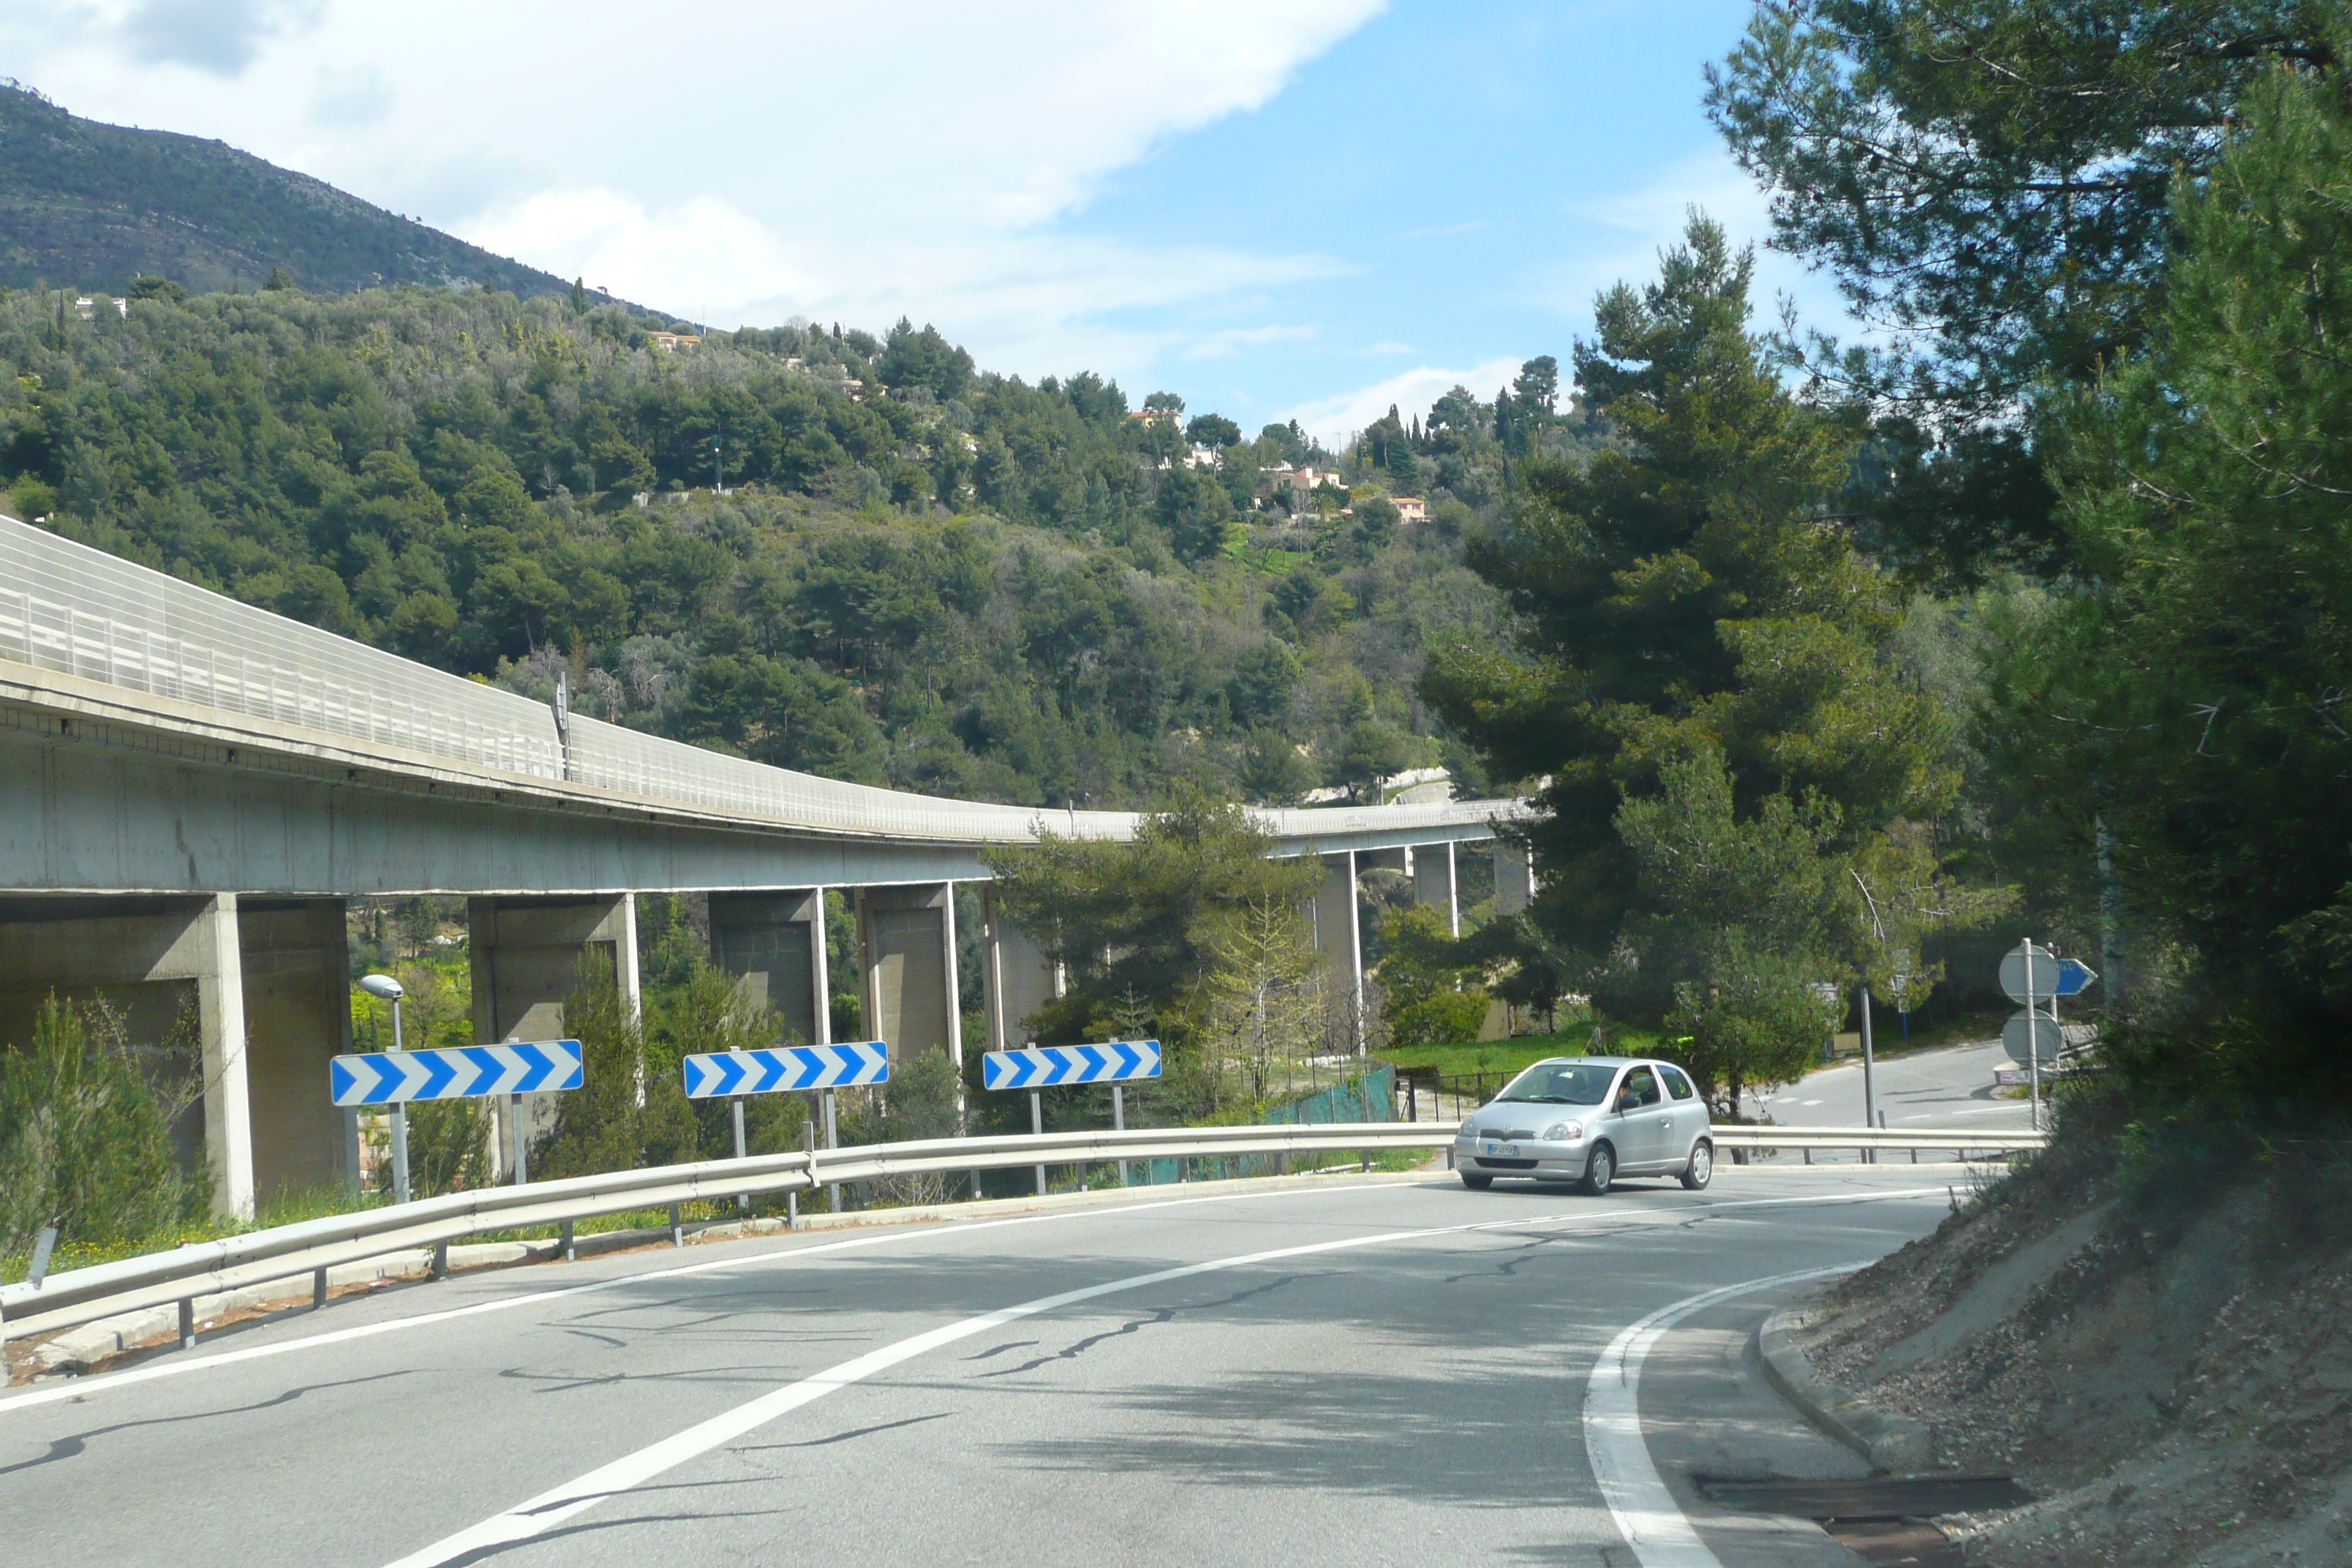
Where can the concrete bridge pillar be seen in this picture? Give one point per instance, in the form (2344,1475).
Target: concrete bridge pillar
(1515,886)
(1514,876)
(1339,937)
(1436,884)
(265,979)
(525,954)
(907,962)
(1019,978)
(296,1000)
(774,945)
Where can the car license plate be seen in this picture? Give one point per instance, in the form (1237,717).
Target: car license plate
(1505,1150)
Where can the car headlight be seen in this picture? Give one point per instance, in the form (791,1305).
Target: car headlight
(1467,1132)
(1563,1132)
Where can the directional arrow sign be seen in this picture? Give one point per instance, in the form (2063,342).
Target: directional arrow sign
(2074,976)
(1047,1067)
(471,1072)
(722,1075)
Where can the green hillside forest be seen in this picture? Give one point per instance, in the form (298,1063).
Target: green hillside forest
(862,557)
(89,206)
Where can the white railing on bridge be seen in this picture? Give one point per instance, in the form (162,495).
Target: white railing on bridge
(66,608)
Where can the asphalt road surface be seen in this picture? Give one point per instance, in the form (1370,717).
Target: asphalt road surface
(1951,1086)
(1352,1371)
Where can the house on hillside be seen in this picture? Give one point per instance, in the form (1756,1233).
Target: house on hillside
(1409,508)
(1158,415)
(670,342)
(1302,479)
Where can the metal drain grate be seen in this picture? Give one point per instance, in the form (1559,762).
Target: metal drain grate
(1879,1521)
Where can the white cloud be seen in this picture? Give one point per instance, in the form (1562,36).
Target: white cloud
(1230,340)
(1335,420)
(747,160)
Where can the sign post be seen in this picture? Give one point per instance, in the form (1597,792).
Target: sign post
(2032,975)
(780,1069)
(1035,1067)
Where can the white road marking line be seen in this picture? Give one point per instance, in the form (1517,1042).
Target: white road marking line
(1647,1516)
(84,1388)
(534,1516)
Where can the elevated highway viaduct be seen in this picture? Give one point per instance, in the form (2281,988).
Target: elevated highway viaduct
(191,789)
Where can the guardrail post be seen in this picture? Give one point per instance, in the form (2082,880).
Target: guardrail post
(187,1323)
(318,1289)
(440,1260)
(570,1251)
(676,1227)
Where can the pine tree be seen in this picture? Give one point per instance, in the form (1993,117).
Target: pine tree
(1688,596)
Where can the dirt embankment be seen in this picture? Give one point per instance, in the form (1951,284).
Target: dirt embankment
(2169,1370)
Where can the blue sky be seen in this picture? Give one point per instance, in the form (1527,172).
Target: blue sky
(1474,175)
(1277,208)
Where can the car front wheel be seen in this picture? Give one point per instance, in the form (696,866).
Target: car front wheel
(1701,1169)
(1600,1169)
(1476,1182)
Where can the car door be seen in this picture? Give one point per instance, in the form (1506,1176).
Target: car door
(1686,1117)
(1639,1132)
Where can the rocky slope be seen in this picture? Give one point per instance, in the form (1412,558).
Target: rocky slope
(2167,1363)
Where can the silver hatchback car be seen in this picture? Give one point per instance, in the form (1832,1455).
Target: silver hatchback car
(1590,1119)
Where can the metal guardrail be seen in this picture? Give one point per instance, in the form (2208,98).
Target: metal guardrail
(66,608)
(287,1252)
(1870,1138)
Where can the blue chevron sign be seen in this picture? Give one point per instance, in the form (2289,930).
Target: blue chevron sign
(1044,1067)
(720,1075)
(469,1072)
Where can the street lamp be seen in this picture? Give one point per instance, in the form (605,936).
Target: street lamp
(390,990)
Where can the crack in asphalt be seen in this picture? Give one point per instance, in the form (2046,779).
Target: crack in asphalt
(1508,1270)
(1000,1350)
(1135,1325)
(841,1436)
(71,1447)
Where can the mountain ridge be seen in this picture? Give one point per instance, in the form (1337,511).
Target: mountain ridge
(87,204)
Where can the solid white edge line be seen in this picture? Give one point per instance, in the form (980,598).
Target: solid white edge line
(535,1515)
(1647,1516)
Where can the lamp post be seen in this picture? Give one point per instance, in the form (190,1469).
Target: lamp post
(388,989)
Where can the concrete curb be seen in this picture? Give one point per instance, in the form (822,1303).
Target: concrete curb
(77,1351)
(1889,1441)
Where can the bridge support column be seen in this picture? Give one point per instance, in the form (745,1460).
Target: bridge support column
(1339,936)
(906,959)
(1515,889)
(261,980)
(1436,884)
(297,1005)
(1018,977)
(525,954)
(770,943)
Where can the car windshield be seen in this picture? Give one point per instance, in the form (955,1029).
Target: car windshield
(1561,1083)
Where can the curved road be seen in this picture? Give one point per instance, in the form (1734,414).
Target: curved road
(1357,1372)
